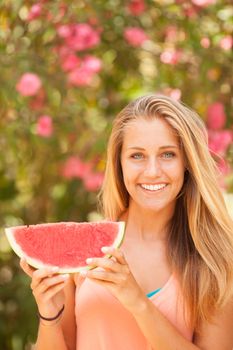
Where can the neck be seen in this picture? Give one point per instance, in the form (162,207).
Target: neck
(147,225)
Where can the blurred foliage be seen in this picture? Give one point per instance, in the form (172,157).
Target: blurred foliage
(187,53)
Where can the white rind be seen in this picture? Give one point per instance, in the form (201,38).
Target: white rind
(37,264)
(120,236)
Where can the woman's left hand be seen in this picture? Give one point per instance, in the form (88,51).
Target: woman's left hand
(116,276)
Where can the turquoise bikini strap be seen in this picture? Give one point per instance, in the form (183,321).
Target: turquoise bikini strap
(154,292)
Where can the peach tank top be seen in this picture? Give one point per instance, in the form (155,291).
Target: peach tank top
(104,324)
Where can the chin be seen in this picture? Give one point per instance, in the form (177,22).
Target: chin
(157,207)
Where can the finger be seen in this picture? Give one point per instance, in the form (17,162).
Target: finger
(40,274)
(116,253)
(25,267)
(104,283)
(106,263)
(50,293)
(50,282)
(105,276)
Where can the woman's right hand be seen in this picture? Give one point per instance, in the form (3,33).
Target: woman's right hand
(47,287)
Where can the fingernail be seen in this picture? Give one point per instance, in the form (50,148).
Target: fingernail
(83,273)
(89,260)
(55,269)
(104,249)
(65,276)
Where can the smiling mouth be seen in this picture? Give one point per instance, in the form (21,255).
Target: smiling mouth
(153,188)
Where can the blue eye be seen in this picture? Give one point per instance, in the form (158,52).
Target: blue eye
(137,156)
(168,155)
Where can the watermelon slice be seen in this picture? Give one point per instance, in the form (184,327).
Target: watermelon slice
(64,244)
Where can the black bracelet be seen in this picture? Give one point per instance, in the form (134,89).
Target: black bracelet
(52,318)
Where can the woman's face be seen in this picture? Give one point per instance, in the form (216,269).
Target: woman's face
(152,164)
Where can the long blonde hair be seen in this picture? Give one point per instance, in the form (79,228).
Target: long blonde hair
(200,243)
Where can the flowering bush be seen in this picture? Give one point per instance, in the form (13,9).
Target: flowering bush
(67,68)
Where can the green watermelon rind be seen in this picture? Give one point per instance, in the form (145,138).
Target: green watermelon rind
(37,264)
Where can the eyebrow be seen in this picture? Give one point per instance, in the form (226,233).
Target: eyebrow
(162,147)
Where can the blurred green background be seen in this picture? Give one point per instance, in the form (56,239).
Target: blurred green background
(67,68)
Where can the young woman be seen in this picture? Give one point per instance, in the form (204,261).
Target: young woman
(170,285)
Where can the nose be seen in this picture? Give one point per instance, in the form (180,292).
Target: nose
(152,168)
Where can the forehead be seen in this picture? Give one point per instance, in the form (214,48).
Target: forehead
(149,132)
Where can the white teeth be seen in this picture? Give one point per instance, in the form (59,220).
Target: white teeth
(153,187)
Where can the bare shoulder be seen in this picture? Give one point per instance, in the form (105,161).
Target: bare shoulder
(219,333)
(68,318)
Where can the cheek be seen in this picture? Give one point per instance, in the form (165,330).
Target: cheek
(130,169)
(178,175)
(175,170)
(130,172)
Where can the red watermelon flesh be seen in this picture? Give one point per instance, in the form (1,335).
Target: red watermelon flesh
(64,244)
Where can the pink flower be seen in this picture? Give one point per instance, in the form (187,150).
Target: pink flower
(226,42)
(82,37)
(63,51)
(29,84)
(216,117)
(223,166)
(64,31)
(74,167)
(135,36)
(203,3)
(136,7)
(83,75)
(80,76)
(191,11)
(173,93)
(205,42)
(92,63)
(44,126)
(219,141)
(93,181)
(170,56)
(34,12)
(70,62)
